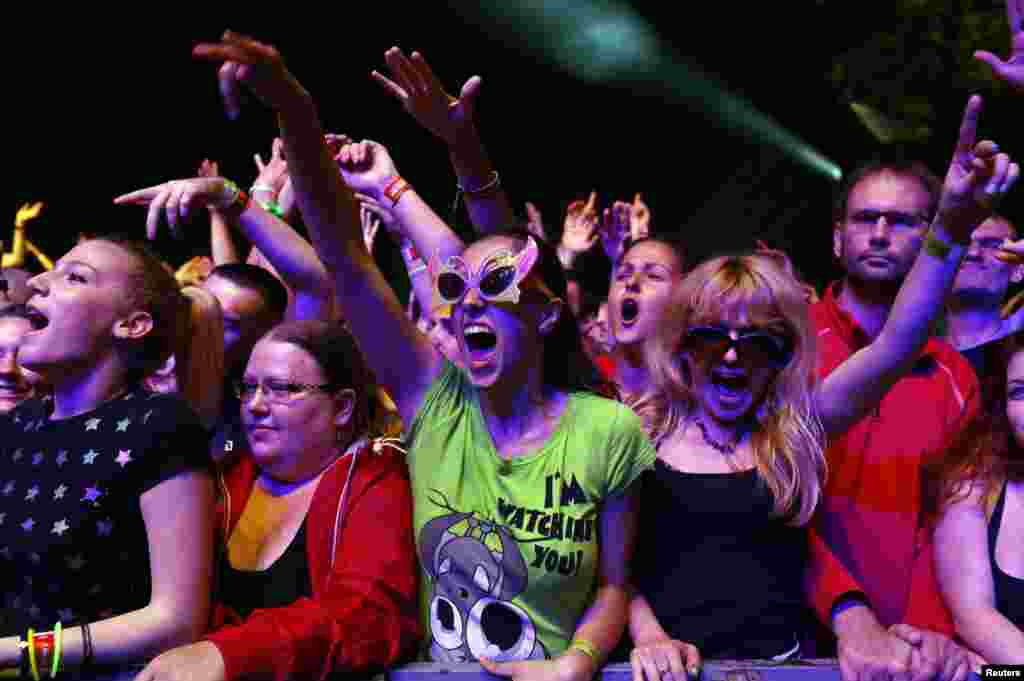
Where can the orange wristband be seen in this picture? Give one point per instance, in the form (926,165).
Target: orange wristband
(395,188)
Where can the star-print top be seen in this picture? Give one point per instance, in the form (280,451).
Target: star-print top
(72,538)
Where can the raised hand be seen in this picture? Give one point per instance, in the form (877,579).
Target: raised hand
(580,228)
(665,659)
(639,219)
(535,222)
(377,210)
(419,91)
(274,173)
(257,67)
(176,199)
(978,176)
(615,229)
(27,213)
(1011,252)
(367,167)
(208,168)
(1010,71)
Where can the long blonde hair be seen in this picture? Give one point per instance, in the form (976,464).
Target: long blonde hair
(788,440)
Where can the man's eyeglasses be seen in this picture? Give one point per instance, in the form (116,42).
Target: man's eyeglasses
(869,218)
(280,392)
(755,347)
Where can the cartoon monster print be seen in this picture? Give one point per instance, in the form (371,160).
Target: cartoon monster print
(477,569)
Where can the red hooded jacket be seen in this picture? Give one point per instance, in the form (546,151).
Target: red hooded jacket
(869,534)
(364,611)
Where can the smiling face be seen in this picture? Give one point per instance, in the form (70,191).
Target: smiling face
(883,229)
(291,440)
(500,338)
(641,290)
(83,305)
(17,384)
(982,276)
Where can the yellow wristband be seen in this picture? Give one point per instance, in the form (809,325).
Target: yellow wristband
(582,645)
(32,655)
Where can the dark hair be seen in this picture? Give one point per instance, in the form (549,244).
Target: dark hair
(155,291)
(340,360)
(253,277)
(565,366)
(986,450)
(677,247)
(898,165)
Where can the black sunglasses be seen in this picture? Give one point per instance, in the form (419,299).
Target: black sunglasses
(757,347)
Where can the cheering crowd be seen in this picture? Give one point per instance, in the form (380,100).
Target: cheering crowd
(559,452)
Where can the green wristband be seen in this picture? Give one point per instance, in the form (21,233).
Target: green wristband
(936,247)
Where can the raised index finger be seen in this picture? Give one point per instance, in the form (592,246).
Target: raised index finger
(969,126)
(1015,14)
(140,195)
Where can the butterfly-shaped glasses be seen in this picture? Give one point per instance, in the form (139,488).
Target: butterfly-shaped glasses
(497,280)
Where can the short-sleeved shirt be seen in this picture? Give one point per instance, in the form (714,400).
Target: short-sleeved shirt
(73,543)
(509,548)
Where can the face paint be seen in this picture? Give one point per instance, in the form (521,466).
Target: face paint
(497,280)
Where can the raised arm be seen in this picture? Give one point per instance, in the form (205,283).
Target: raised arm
(977,176)
(402,358)
(223,249)
(25,214)
(292,256)
(416,87)
(1010,71)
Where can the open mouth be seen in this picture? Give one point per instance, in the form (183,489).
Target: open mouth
(480,340)
(630,310)
(729,384)
(37,318)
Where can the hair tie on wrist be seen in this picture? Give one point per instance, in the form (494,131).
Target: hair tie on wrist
(493,183)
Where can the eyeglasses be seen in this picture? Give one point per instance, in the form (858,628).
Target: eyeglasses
(757,347)
(279,392)
(497,280)
(869,218)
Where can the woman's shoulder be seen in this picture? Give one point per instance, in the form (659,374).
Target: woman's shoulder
(156,411)
(600,412)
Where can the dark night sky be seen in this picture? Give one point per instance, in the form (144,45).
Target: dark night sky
(106,104)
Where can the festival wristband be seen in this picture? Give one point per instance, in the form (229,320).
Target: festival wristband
(58,648)
(582,645)
(848,600)
(271,207)
(32,655)
(936,247)
(261,188)
(396,188)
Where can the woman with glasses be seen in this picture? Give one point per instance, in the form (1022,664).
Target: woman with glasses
(740,437)
(520,477)
(316,567)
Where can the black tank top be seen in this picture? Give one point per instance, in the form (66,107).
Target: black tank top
(1009,590)
(283,583)
(718,568)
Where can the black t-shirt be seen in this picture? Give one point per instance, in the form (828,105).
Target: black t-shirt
(284,582)
(718,568)
(72,538)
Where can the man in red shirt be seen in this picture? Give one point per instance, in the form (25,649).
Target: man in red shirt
(872,581)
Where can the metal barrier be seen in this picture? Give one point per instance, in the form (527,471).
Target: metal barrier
(826,669)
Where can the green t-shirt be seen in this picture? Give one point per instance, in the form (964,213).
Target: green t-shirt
(509,549)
